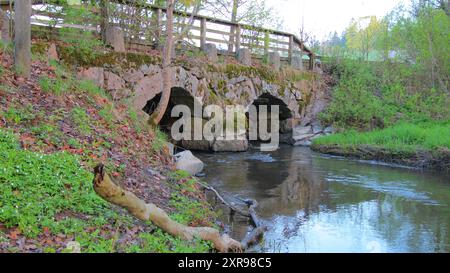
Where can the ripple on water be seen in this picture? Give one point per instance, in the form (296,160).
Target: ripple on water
(395,188)
(266,158)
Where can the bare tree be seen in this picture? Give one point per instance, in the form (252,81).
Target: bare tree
(156,117)
(22,38)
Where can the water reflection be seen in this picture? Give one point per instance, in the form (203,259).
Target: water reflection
(315,203)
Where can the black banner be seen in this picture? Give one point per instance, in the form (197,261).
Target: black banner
(219,262)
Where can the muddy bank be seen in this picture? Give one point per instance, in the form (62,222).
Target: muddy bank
(435,160)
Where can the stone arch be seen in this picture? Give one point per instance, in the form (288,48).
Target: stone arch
(286,118)
(178,96)
(269,100)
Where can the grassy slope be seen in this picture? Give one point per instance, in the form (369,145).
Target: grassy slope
(401,137)
(53,130)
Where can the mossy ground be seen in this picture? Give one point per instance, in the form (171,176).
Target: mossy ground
(53,130)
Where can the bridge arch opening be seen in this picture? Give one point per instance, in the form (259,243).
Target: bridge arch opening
(178,96)
(269,100)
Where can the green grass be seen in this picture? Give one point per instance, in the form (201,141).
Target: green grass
(91,88)
(56,86)
(159,141)
(17,115)
(36,188)
(81,120)
(107,114)
(405,136)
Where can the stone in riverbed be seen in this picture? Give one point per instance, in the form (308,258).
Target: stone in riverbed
(186,161)
(329,130)
(196,145)
(230,146)
(300,131)
(303,143)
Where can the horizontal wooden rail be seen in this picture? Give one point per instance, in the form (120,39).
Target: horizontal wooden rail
(201,29)
(296,40)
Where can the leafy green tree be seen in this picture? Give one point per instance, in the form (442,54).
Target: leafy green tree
(362,35)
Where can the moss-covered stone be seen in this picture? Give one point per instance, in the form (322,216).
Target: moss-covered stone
(125,60)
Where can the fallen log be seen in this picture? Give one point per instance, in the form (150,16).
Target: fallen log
(106,188)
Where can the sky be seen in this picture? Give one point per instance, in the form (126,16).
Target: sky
(324,16)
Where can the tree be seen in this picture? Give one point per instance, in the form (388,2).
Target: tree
(252,12)
(422,41)
(22,38)
(156,117)
(362,35)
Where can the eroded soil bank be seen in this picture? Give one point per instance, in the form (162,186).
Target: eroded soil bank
(435,160)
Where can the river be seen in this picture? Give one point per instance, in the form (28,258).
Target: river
(314,203)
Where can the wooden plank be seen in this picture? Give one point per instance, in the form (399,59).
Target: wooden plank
(226,33)
(192,27)
(208,39)
(275,41)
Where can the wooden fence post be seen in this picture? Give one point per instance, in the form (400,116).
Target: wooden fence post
(4,26)
(202,33)
(158,24)
(238,38)
(266,45)
(104,18)
(22,37)
(291,48)
(311,61)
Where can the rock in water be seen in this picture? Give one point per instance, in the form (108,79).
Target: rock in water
(230,146)
(186,161)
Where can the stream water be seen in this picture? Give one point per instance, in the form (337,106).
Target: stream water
(317,203)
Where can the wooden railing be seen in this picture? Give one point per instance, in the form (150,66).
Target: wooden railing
(143,24)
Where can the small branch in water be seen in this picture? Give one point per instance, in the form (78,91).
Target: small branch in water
(228,204)
(257,233)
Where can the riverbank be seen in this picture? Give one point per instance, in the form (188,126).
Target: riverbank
(424,145)
(54,129)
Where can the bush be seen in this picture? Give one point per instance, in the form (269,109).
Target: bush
(375,95)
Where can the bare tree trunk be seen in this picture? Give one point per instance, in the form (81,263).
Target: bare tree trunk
(22,39)
(4,26)
(156,117)
(104,18)
(233,29)
(111,192)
